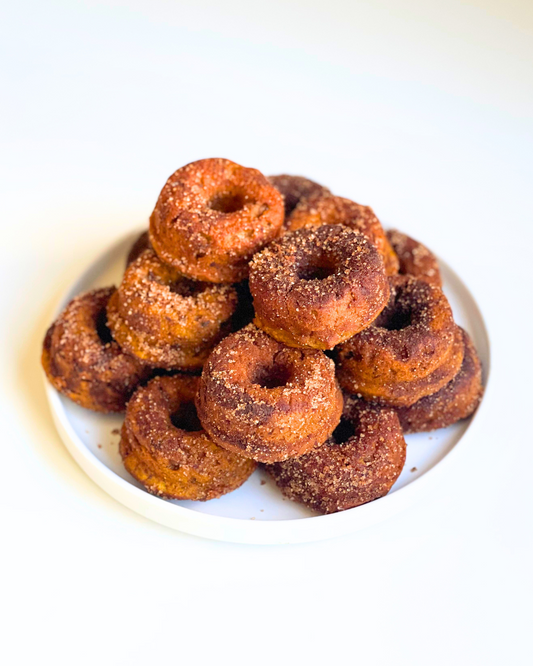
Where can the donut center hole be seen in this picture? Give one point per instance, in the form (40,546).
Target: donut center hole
(272,376)
(186,418)
(343,432)
(186,287)
(102,329)
(318,270)
(397,319)
(227,202)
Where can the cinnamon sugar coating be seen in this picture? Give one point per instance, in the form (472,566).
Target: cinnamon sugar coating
(212,216)
(413,349)
(415,259)
(325,208)
(295,189)
(317,287)
(82,361)
(267,401)
(457,400)
(359,463)
(164,447)
(141,244)
(166,319)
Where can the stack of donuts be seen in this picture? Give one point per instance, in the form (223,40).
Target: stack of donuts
(267,321)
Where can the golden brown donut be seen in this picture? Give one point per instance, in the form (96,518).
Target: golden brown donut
(457,400)
(82,361)
(165,319)
(359,463)
(325,208)
(141,244)
(164,447)
(415,259)
(294,189)
(412,349)
(317,287)
(212,216)
(267,401)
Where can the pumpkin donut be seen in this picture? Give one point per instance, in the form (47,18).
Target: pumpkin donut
(325,208)
(141,244)
(295,189)
(82,361)
(267,401)
(165,319)
(413,348)
(359,463)
(457,400)
(317,287)
(415,259)
(164,447)
(212,216)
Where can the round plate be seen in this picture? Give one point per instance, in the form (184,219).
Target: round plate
(256,512)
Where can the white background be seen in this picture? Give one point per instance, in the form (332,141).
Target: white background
(422,109)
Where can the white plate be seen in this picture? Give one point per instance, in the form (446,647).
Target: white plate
(256,512)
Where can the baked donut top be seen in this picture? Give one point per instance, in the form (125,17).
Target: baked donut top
(155,289)
(211,216)
(318,265)
(162,417)
(294,189)
(416,311)
(250,372)
(80,334)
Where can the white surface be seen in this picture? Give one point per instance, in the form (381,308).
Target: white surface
(421,108)
(256,513)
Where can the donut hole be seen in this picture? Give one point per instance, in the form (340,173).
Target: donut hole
(272,376)
(102,328)
(227,201)
(186,418)
(343,432)
(397,319)
(316,269)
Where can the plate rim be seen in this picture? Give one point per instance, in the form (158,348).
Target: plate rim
(242,530)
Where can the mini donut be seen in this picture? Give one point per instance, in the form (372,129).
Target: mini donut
(413,349)
(325,208)
(164,447)
(267,401)
(82,361)
(317,287)
(295,189)
(141,244)
(457,400)
(359,463)
(415,259)
(212,216)
(165,319)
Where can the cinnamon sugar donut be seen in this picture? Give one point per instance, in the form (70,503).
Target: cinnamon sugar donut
(165,319)
(325,208)
(317,287)
(457,400)
(82,361)
(267,401)
(164,447)
(359,463)
(212,216)
(415,259)
(295,189)
(412,349)
(141,244)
